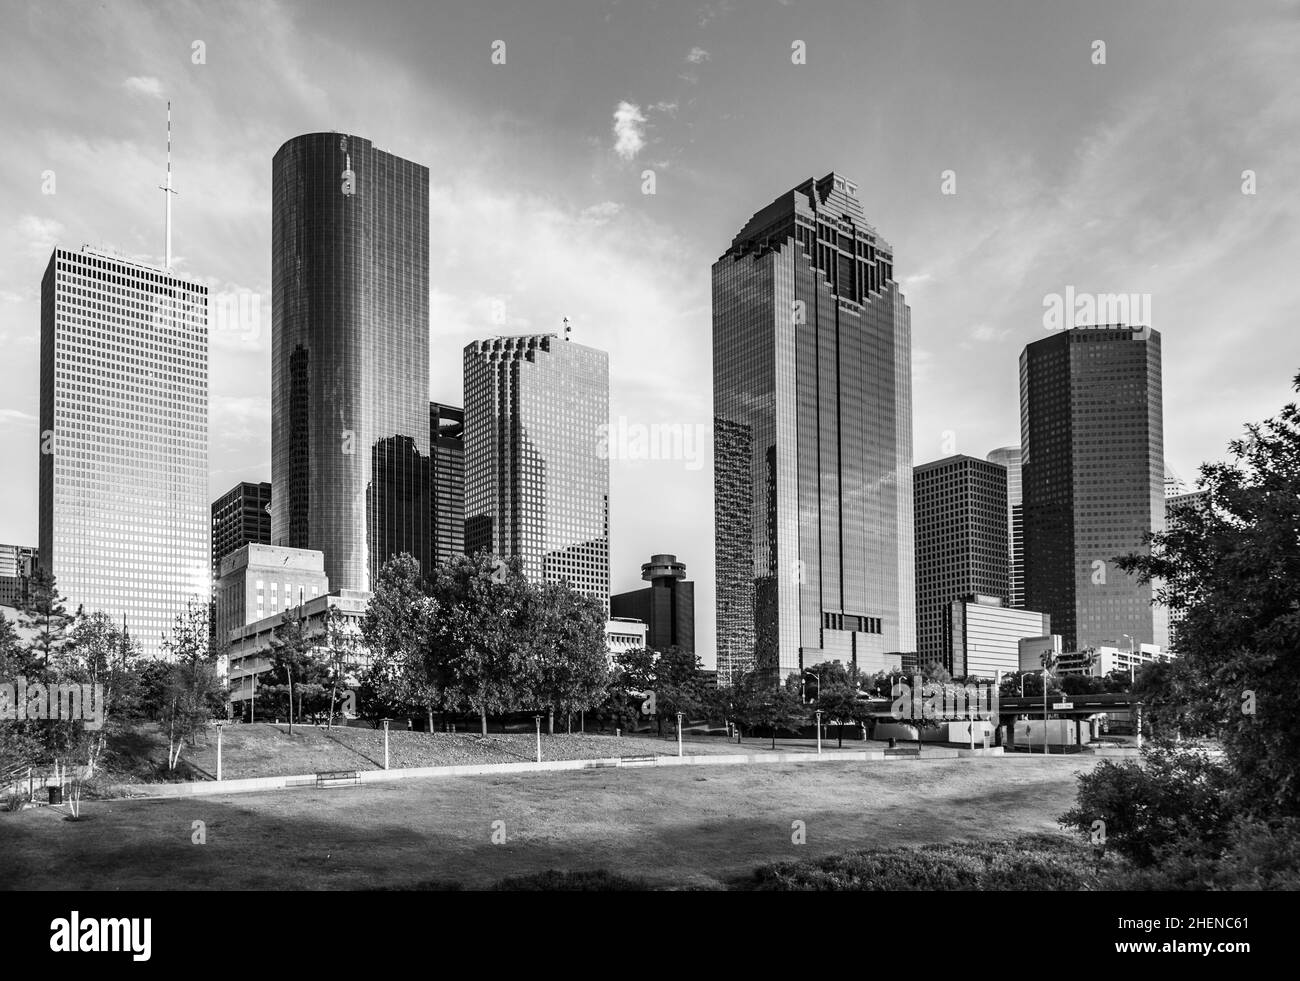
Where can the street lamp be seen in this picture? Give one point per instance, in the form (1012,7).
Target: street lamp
(819,732)
(537,721)
(385,722)
(220,725)
(679,734)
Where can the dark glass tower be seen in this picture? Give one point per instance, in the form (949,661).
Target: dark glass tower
(961,543)
(241,516)
(812,440)
(1009,457)
(667,605)
(447,432)
(1093,481)
(350,463)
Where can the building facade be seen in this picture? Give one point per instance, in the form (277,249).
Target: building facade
(17,563)
(1093,480)
(624,634)
(447,436)
(350,454)
(258,581)
(241,516)
(983,635)
(536,479)
(961,545)
(667,605)
(124,519)
(1009,457)
(812,440)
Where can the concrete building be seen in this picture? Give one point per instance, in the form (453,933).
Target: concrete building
(667,605)
(124,516)
(1093,479)
(983,635)
(17,563)
(350,454)
(260,581)
(624,634)
(536,481)
(249,652)
(447,436)
(1032,650)
(1102,660)
(812,406)
(961,545)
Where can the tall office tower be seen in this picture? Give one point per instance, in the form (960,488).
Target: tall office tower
(961,544)
(1092,440)
(536,479)
(124,521)
(447,435)
(350,355)
(241,516)
(1009,457)
(812,440)
(667,605)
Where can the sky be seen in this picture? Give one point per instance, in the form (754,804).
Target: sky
(1117,177)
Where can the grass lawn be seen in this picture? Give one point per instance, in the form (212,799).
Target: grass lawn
(676,827)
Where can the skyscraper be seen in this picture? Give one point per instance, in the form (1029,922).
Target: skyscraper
(667,605)
(812,440)
(241,516)
(447,433)
(1093,450)
(124,521)
(536,476)
(961,543)
(350,465)
(1009,457)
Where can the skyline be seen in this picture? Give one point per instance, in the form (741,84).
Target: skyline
(548,188)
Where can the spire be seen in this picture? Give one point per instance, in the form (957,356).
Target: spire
(168,192)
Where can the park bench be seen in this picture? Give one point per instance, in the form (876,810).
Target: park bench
(633,760)
(332,778)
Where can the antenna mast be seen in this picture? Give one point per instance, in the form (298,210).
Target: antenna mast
(568,329)
(168,192)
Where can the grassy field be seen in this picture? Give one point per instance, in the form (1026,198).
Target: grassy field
(676,827)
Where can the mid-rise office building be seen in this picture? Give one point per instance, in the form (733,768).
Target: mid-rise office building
(536,481)
(1097,662)
(812,440)
(667,605)
(982,636)
(961,544)
(17,563)
(624,634)
(447,435)
(1093,480)
(350,455)
(258,581)
(124,518)
(1009,457)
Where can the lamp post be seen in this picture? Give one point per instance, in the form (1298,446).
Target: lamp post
(679,735)
(220,725)
(819,732)
(385,722)
(537,721)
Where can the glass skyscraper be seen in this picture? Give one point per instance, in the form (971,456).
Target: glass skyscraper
(536,469)
(447,432)
(1009,457)
(124,521)
(812,440)
(1093,481)
(350,464)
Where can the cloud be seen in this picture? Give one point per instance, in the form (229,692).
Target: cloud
(144,85)
(629,130)
(598,214)
(38,235)
(697,55)
(986,334)
(16,415)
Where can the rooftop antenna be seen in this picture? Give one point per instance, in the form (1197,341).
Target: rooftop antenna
(168,192)
(568,329)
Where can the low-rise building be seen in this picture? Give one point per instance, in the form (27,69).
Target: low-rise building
(982,636)
(624,634)
(260,581)
(1102,660)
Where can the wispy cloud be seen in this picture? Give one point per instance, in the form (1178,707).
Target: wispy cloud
(144,85)
(697,55)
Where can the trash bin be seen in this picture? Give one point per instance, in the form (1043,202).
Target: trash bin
(893,743)
(56,795)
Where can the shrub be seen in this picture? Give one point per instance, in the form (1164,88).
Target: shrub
(1257,856)
(1173,799)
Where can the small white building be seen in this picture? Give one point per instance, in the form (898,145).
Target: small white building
(624,634)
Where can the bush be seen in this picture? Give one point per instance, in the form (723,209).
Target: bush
(1036,862)
(1257,856)
(1172,800)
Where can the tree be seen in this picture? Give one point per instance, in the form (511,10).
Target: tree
(298,672)
(340,656)
(565,649)
(397,629)
(1229,571)
(45,615)
(102,656)
(756,704)
(190,687)
(839,703)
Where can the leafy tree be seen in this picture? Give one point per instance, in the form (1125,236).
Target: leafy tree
(298,673)
(839,703)
(397,629)
(1230,570)
(755,704)
(101,655)
(191,689)
(565,649)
